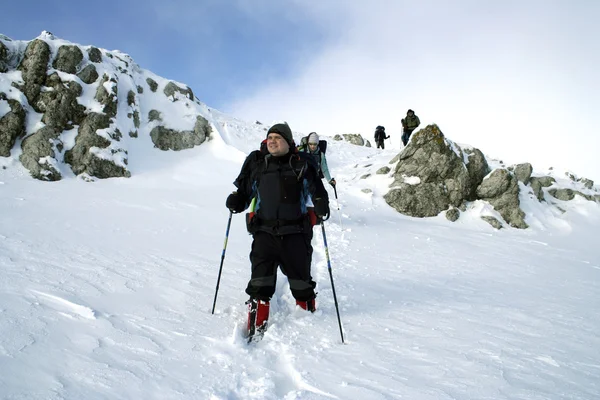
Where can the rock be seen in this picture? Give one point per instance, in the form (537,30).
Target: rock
(537,183)
(492,221)
(60,106)
(88,74)
(452,214)
(79,156)
(152,84)
(130,98)
(154,115)
(171,88)
(587,183)
(569,194)
(501,190)
(95,55)
(354,138)
(12,125)
(444,178)
(3,58)
(67,59)
(106,98)
(366,190)
(383,170)
(338,137)
(478,168)
(523,172)
(367,144)
(169,139)
(38,154)
(33,68)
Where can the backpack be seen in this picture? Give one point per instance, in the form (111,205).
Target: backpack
(379,133)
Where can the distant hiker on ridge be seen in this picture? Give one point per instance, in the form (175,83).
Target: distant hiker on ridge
(409,124)
(380,136)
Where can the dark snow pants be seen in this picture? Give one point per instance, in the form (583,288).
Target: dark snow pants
(406,135)
(381,144)
(293,253)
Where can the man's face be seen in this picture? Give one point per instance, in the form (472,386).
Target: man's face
(277,145)
(410,113)
(312,147)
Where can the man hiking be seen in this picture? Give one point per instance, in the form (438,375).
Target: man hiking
(280,184)
(380,137)
(409,124)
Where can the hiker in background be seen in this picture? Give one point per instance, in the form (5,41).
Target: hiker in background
(380,136)
(315,147)
(409,124)
(279,184)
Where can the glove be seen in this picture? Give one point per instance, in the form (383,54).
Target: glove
(332,182)
(321,207)
(235,203)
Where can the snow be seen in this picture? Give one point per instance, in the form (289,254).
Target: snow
(107,286)
(106,291)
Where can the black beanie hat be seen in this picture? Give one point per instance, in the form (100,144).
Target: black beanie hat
(283,130)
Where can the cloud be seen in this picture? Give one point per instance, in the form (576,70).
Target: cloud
(515,79)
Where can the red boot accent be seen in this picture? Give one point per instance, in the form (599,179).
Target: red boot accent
(307,305)
(258,316)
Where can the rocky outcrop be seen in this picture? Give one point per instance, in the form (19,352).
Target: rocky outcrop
(433,174)
(55,90)
(169,139)
(443,176)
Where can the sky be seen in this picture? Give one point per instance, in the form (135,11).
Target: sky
(110,296)
(514,79)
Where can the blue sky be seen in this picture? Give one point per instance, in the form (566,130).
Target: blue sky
(516,79)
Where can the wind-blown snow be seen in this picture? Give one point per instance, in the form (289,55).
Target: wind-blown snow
(106,291)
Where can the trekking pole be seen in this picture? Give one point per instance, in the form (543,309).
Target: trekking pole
(338,208)
(222,259)
(337,309)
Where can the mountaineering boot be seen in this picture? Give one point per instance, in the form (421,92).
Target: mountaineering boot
(258,316)
(307,305)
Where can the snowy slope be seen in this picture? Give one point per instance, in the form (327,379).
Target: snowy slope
(106,291)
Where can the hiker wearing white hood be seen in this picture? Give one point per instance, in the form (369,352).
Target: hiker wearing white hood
(316,148)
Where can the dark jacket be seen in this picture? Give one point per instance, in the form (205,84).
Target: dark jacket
(282,187)
(411,122)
